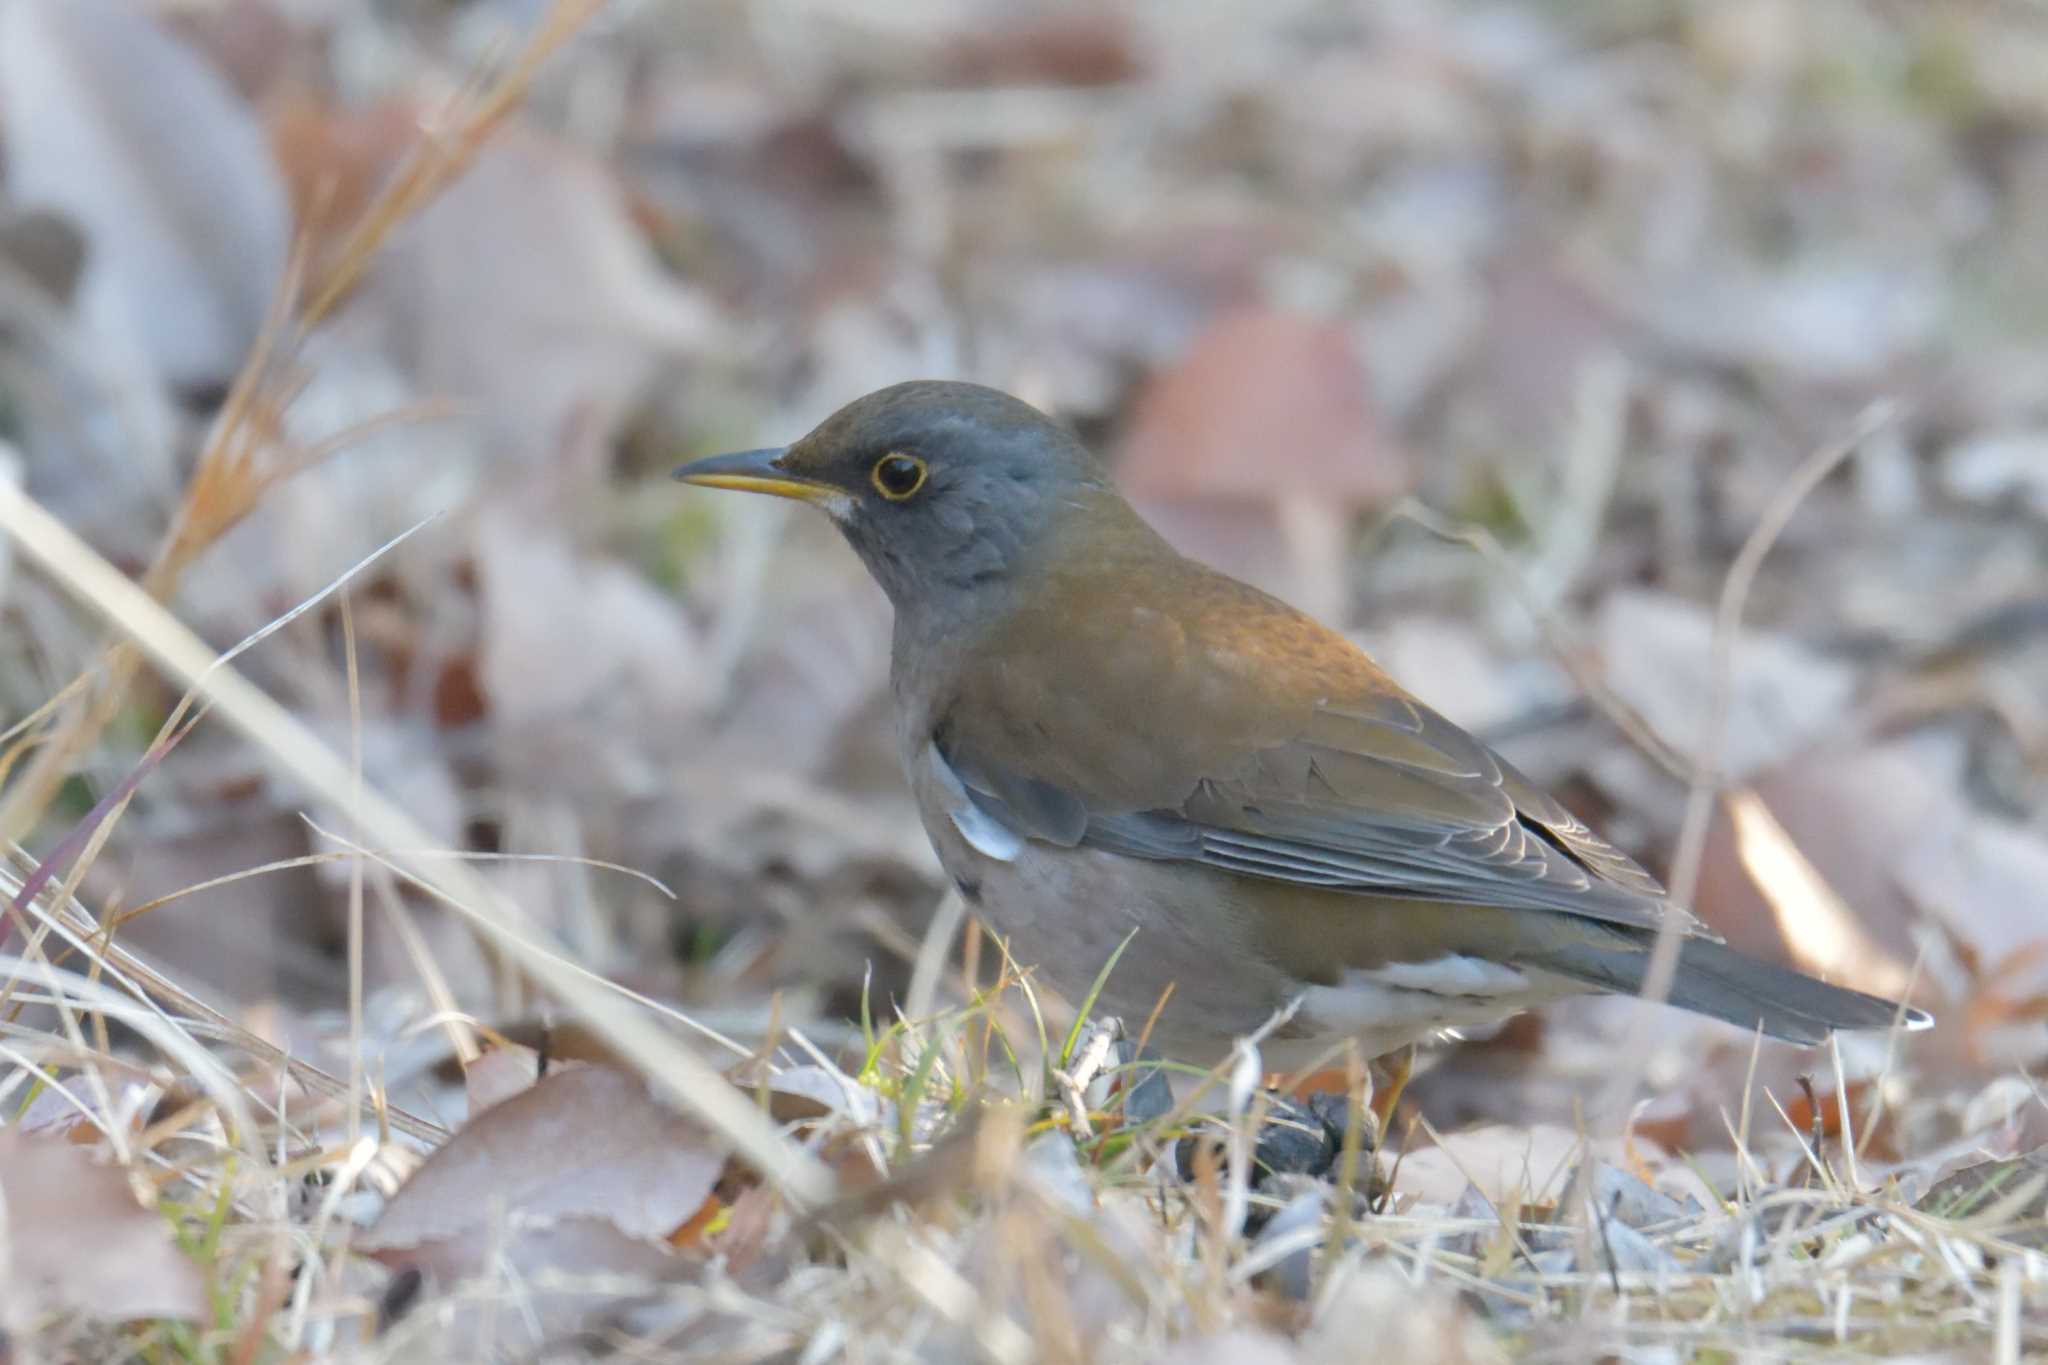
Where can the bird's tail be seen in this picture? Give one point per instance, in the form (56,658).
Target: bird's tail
(1721,983)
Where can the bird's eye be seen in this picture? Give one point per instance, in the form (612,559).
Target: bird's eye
(898,476)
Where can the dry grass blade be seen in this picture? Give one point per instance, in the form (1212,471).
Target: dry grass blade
(1607,269)
(688,1079)
(1563,649)
(230,477)
(439,160)
(1735,589)
(242,457)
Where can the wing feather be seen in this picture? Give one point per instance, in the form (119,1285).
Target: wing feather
(1297,761)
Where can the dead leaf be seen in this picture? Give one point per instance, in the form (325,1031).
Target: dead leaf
(1836,318)
(526,290)
(757,1219)
(143,145)
(1981,880)
(1812,1110)
(1824,935)
(1381,1314)
(76,1241)
(498,1075)
(335,160)
(578,1245)
(2007,1199)
(1851,817)
(45,248)
(694,1229)
(1062,47)
(1983,876)
(1897,846)
(244,939)
(1543,328)
(1507,1165)
(1243,1346)
(585,1153)
(1658,654)
(800,1094)
(583,661)
(1264,405)
(1255,449)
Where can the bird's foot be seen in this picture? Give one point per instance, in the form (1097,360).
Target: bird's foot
(1090,1055)
(1385,1100)
(1108,1072)
(1305,1136)
(1382,1099)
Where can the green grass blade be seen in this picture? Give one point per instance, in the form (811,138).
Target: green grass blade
(1088,1003)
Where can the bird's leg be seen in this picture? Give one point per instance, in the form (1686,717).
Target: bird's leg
(1400,1067)
(1145,1093)
(1090,1058)
(1306,1137)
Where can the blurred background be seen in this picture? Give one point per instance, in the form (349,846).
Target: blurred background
(1486,332)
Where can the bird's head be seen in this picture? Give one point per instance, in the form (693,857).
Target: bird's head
(942,488)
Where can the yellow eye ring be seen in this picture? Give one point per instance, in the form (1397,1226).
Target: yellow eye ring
(897,476)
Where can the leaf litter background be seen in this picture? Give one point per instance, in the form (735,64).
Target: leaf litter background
(1489,332)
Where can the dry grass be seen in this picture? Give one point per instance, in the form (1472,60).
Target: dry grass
(975,1190)
(997,1213)
(989,1220)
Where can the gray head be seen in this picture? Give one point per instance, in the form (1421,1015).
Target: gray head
(947,491)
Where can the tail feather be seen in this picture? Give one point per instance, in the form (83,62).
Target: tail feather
(1721,983)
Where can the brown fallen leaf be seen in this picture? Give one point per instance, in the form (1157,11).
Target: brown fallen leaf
(586,1156)
(582,661)
(1824,934)
(1658,653)
(578,1246)
(1841,860)
(1852,816)
(1510,1164)
(698,1225)
(1980,879)
(498,1075)
(77,1241)
(755,1220)
(1426,1324)
(2007,1199)
(800,1094)
(1081,47)
(526,289)
(1256,449)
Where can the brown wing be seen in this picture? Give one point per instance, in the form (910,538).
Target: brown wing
(1229,730)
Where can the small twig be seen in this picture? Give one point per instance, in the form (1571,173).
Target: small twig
(1568,656)
(1600,1218)
(1706,764)
(1847,1124)
(1816,1125)
(355,876)
(932,953)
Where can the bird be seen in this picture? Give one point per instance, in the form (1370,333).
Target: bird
(1110,743)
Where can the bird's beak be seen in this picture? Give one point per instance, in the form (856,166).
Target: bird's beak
(755,471)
